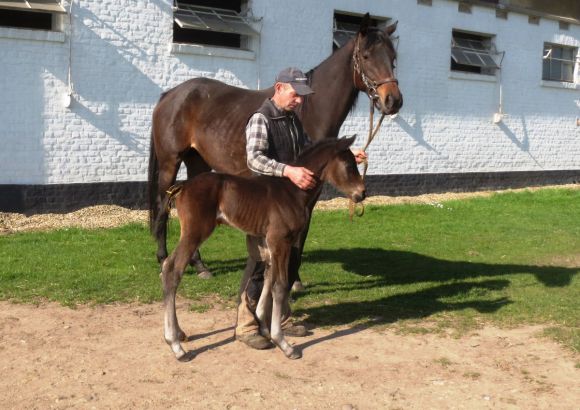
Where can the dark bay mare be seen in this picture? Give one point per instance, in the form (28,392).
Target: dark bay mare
(201,122)
(267,207)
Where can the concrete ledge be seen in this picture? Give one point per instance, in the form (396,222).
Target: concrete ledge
(33,199)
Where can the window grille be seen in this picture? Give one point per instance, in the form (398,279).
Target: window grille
(213,23)
(346,26)
(472,53)
(32,14)
(559,63)
(52,6)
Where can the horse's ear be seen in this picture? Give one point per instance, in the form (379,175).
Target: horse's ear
(346,142)
(365,24)
(391,29)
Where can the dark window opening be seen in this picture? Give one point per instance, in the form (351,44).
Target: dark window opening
(26,19)
(472,53)
(211,22)
(346,26)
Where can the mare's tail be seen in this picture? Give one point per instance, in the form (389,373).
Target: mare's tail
(165,208)
(153,186)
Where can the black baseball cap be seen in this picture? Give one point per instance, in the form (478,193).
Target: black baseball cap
(296,78)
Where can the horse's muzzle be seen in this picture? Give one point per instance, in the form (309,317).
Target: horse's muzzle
(390,99)
(359,196)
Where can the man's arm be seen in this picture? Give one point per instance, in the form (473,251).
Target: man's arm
(257,148)
(258,161)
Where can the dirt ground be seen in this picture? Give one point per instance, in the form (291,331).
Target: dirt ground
(115,357)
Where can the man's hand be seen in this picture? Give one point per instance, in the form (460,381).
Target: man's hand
(359,155)
(303,178)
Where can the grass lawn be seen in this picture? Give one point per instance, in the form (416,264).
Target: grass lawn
(509,259)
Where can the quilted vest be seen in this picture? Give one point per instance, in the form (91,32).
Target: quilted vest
(286,137)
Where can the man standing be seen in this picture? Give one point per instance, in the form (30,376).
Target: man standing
(275,138)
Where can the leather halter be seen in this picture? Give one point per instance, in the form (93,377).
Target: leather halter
(370,84)
(371,90)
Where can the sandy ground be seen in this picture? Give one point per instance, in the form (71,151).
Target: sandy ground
(115,357)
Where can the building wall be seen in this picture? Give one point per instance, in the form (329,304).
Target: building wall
(121,61)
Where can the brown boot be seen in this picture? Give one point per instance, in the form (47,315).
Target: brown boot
(295,330)
(255,341)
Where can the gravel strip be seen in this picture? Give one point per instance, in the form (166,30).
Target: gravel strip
(109,216)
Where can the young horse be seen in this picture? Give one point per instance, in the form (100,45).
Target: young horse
(201,122)
(268,207)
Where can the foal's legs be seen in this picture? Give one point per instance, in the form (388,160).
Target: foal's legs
(196,165)
(277,276)
(171,274)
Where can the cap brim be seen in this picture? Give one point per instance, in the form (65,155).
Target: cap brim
(301,89)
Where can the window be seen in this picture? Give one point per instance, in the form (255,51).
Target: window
(346,26)
(473,53)
(559,63)
(31,14)
(218,23)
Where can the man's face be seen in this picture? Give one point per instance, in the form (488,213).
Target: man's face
(287,99)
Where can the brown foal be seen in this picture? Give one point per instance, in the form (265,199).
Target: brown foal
(269,207)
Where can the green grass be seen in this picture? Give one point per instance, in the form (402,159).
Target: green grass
(509,259)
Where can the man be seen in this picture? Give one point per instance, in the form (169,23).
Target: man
(275,138)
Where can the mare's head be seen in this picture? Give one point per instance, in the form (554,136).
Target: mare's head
(332,160)
(374,64)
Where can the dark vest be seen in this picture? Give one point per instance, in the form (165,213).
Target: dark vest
(286,137)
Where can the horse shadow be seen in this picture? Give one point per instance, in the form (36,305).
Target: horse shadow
(445,284)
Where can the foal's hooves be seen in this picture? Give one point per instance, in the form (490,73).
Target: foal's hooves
(186,357)
(294,354)
(205,275)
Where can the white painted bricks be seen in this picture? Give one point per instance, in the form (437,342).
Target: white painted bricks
(121,61)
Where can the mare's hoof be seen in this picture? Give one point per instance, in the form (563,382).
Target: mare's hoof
(205,275)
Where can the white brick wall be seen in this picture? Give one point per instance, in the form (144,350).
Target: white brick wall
(122,60)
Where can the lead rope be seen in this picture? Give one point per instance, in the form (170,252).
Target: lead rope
(372,132)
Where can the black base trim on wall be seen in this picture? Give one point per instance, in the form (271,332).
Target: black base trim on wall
(61,198)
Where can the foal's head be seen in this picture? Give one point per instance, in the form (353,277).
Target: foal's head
(333,161)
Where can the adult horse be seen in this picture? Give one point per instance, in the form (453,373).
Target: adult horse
(201,122)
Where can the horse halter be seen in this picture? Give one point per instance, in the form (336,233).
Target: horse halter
(371,85)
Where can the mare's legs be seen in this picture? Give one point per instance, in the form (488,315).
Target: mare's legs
(196,165)
(294,280)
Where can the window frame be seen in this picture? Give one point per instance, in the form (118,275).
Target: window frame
(342,27)
(38,10)
(548,58)
(221,31)
(473,53)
